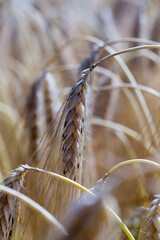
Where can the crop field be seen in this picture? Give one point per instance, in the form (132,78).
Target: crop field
(79,120)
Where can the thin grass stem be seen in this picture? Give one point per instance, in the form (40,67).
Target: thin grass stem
(130,162)
(129,85)
(124,227)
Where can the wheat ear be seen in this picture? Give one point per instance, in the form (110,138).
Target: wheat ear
(71,144)
(41,107)
(135,222)
(150,228)
(66,150)
(32,116)
(9,205)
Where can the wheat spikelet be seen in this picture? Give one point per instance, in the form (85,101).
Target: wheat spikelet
(150,228)
(103,103)
(73,129)
(88,213)
(9,205)
(69,162)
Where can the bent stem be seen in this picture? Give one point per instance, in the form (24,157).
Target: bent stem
(129,162)
(127,50)
(129,85)
(102,45)
(123,226)
(116,127)
(121,223)
(132,80)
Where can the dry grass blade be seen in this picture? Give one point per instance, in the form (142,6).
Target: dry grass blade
(116,126)
(150,228)
(128,85)
(100,109)
(131,78)
(102,45)
(9,205)
(121,128)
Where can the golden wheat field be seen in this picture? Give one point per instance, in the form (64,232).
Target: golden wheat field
(79,120)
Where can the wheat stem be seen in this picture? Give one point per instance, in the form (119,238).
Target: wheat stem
(123,40)
(130,162)
(116,126)
(121,223)
(58,176)
(132,80)
(127,50)
(101,43)
(129,85)
(124,227)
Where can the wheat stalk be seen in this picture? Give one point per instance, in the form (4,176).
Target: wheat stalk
(9,206)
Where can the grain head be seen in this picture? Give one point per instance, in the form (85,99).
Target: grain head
(9,206)
(150,228)
(32,116)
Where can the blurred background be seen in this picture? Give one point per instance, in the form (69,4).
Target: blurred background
(125,123)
